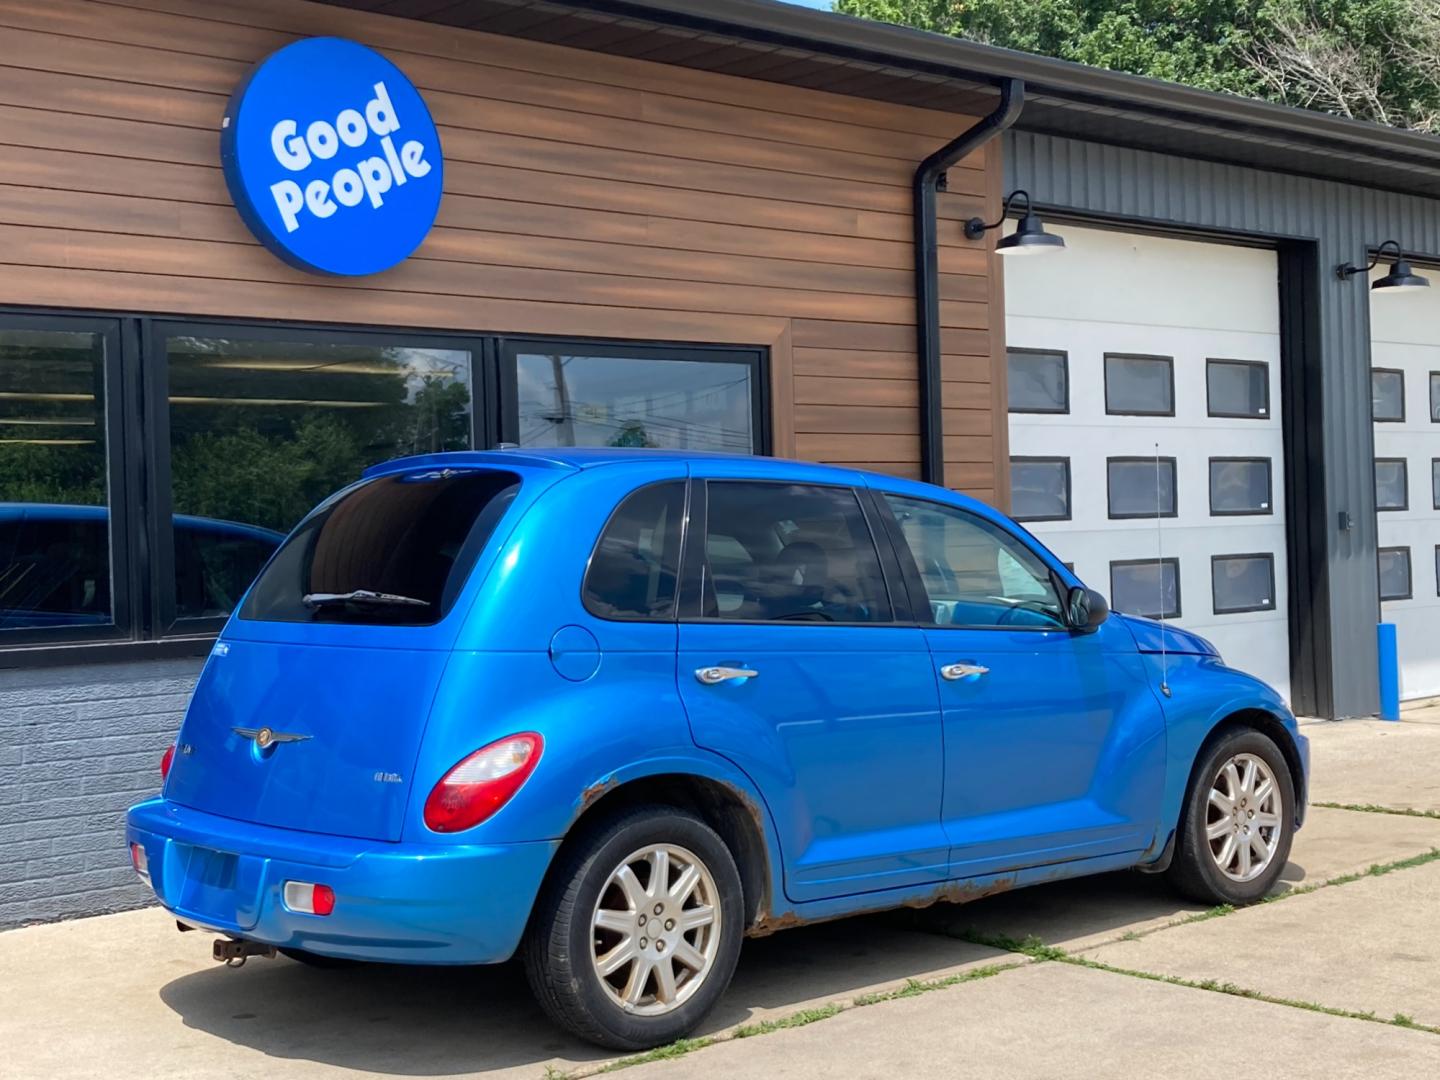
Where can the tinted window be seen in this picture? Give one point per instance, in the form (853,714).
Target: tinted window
(633,569)
(1139,385)
(414,536)
(1240,486)
(1238,388)
(1387,394)
(1242,583)
(1394,573)
(1040,489)
(1149,587)
(578,399)
(54,521)
(1391,484)
(1141,487)
(261,430)
(1038,381)
(790,552)
(974,572)
(1435,397)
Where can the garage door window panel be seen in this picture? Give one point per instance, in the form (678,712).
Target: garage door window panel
(1387,395)
(1435,483)
(1241,583)
(1139,487)
(1240,486)
(1394,568)
(1435,397)
(1148,587)
(1040,488)
(1391,484)
(1038,381)
(1139,385)
(1238,389)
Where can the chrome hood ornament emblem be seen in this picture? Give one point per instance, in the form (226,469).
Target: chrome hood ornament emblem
(265,737)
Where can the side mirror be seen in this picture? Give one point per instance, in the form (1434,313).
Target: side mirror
(1088,609)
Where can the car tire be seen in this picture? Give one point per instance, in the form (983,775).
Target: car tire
(315,960)
(566,942)
(1221,842)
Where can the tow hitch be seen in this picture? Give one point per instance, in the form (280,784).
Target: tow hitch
(235,953)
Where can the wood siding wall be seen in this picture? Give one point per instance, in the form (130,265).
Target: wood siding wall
(585,195)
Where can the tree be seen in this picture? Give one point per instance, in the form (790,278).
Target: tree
(1369,59)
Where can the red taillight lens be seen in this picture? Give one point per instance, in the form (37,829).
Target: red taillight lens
(166,761)
(308,898)
(482,783)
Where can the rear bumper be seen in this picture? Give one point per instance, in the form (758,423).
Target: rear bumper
(399,903)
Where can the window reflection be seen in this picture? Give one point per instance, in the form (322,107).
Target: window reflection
(261,431)
(576,400)
(54,516)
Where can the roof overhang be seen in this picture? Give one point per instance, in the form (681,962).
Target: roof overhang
(784,43)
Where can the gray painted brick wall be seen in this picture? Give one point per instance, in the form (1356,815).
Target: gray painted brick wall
(77,746)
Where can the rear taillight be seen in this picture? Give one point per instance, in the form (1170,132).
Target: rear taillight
(308,898)
(166,761)
(482,783)
(140,860)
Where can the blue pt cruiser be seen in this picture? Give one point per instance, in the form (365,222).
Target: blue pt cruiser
(615,710)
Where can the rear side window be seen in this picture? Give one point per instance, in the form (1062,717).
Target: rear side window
(790,553)
(634,566)
(395,550)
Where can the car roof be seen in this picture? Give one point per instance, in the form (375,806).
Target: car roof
(746,465)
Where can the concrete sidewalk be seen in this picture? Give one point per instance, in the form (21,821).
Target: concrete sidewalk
(126,997)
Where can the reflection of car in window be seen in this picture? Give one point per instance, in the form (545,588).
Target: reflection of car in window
(55,564)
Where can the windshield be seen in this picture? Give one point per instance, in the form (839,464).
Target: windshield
(395,550)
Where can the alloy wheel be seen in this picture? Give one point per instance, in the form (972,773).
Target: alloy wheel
(1244,817)
(655,929)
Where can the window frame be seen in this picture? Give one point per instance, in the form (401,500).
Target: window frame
(693,561)
(1064,355)
(913,583)
(1269,557)
(509,347)
(1171,560)
(1169,362)
(686,487)
(138,455)
(1270,486)
(1210,409)
(1141,460)
(1409,573)
(121,490)
(1387,419)
(1047,459)
(1404,463)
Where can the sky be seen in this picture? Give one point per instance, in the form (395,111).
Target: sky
(823,5)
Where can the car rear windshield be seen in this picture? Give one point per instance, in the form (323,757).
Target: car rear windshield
(395,550)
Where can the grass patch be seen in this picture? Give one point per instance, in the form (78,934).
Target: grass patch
(1030,945)
(1375,870)
(1217,987)
(1372,808)
(799,1019)
(916,987)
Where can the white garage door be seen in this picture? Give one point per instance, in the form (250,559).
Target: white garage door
(1405,380)
(1125,349)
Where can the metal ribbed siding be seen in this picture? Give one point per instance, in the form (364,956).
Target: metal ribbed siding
(1341,221)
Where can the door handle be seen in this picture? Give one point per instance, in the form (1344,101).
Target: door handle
(960,671)
(712,675)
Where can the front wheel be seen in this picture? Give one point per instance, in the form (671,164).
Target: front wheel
(1236,823)
(638,930)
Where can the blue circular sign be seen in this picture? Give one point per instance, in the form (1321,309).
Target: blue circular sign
(332,158)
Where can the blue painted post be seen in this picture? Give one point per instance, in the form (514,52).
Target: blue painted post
(1389,673)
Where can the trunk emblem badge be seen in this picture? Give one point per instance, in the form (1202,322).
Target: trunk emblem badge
(265,737)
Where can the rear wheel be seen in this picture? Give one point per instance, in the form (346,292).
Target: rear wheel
(1237,821)
(638,930)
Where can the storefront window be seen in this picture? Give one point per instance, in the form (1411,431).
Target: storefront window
(601,398)
(262,429)
(54,490)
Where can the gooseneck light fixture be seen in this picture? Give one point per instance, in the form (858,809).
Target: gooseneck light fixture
(1029,237)
(1401,277)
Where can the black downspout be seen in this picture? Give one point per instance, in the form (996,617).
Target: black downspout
(927,271)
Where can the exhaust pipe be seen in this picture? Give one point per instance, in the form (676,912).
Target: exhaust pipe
(234,953)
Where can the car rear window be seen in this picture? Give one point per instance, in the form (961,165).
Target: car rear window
(395,550)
